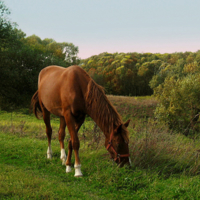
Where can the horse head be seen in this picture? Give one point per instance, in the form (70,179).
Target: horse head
(117,144)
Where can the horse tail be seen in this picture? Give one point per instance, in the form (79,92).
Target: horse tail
(36,105)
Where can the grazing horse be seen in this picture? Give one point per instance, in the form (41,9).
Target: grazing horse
(71,93)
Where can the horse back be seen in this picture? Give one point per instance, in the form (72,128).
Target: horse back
(63,88)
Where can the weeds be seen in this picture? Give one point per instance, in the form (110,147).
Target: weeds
(154,146)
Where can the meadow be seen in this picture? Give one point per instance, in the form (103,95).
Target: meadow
(165,164)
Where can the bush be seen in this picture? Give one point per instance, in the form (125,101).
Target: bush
(179,102)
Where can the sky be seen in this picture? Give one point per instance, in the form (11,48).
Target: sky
(96,26)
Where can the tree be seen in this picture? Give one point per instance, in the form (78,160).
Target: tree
(22,58)
(22,63)
(7,29)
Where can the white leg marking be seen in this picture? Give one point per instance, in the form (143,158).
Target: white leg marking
(49,152)
(130,162)
(63,156)
(78,172)
(68,168)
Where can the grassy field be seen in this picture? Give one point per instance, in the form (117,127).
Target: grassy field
(166,165)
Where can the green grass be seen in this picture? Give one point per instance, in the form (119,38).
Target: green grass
(25,173)
(165,165)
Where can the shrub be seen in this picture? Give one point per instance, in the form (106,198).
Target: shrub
(179,102)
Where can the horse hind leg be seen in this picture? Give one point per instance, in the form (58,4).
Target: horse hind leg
(46,118)
(69,156)
(61,137)
(77,167)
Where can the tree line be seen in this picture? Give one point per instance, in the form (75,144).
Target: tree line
(137,74)
(173,79)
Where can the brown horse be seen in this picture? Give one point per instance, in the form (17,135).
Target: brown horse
(71,93)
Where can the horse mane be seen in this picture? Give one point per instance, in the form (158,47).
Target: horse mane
(101,110)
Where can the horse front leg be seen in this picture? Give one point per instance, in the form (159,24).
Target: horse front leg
(61,137)
(77,165)
(79,121)
(73,144)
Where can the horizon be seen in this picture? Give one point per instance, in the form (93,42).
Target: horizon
(112,26)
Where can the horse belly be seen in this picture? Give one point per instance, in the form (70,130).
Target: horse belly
(54,108)
(51,101)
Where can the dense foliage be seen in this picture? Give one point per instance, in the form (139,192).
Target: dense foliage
(138,74)
(172,78)
(21,59)
(178,93)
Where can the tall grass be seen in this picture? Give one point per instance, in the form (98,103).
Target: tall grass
(154,146)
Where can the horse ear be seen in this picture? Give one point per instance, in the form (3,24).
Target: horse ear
(118,129)
(127,123)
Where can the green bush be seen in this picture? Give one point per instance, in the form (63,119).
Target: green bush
(179,102)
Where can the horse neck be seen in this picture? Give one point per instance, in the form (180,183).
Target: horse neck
(100,109)
(106,124)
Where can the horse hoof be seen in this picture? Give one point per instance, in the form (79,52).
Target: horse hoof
(63,161)
(68,169)
(78,172)
(78,176)
(49,156)
(63,156)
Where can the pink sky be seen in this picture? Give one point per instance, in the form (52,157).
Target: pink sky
(112,26)
(86,51)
